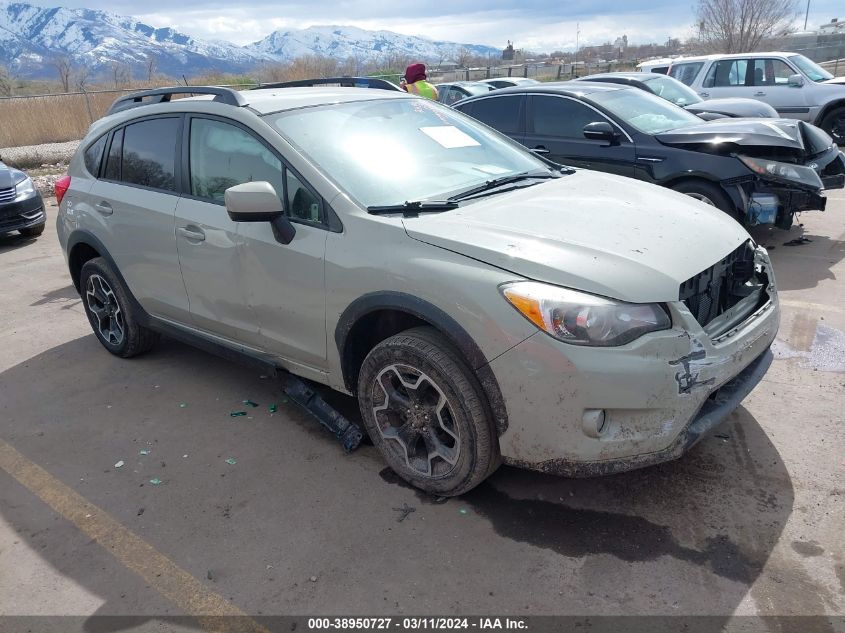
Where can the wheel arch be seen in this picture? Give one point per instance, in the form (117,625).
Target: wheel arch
(83,246)
(827,109)
(731,191)
(375,317)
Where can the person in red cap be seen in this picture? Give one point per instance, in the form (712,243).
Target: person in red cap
(416,84)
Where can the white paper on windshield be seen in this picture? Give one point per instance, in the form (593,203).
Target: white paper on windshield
(449,136)
(492,170)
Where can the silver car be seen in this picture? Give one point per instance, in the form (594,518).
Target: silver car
(795,86)
(483,305)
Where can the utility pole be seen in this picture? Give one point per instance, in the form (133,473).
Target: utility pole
(575,62)
(807,15)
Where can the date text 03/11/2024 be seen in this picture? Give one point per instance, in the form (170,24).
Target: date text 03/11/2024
(414,624)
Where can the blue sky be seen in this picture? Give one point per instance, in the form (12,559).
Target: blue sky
(534,24)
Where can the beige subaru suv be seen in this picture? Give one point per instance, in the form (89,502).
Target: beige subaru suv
(483,304)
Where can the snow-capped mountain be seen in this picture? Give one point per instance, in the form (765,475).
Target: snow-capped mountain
(33,38)
(343,42)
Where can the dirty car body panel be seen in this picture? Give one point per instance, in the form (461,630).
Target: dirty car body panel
(362,249)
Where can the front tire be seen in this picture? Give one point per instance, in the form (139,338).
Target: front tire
(708,193)
(33,231)
(425,411)
(834,124)
(112,316)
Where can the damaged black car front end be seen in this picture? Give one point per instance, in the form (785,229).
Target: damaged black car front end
(783,166)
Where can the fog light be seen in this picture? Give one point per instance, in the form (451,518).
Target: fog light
(593,422)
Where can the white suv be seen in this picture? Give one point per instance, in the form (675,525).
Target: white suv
(795,86)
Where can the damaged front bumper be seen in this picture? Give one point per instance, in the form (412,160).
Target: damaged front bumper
(765,200)
(579,411)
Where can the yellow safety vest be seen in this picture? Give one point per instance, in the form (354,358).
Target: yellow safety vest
(423,89)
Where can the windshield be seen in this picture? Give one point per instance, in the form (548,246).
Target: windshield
(672,90)
(644,111)
(388,151)
(810,68)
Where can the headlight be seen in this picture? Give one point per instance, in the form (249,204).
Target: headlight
(584,319)
(24,188)
(782,171)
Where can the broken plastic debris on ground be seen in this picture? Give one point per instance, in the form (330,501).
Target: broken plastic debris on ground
(231,461)
(155,481)
(237,414)
(119,464)
(250,403)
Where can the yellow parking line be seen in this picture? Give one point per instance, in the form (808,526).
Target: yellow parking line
(211,610)
(818,307)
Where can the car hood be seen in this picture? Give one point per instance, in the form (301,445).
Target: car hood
(735,108)
(835,81)
(727,133)
(599,233)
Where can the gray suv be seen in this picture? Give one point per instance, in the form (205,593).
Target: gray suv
(483,304)
(795,86)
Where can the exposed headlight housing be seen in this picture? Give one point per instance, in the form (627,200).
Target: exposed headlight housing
(782,171)
(24,188)
(584,319)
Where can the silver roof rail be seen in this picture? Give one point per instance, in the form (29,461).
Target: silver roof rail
(163,95)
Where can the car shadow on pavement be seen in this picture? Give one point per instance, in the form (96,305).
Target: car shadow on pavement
(707,522)
(12,241)
(818,255)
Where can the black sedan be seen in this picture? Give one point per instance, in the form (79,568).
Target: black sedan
(682,95)
(21,206)
(761,171)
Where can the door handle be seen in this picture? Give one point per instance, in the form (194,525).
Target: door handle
(194,234)
(104,207)
(540,150)
(760,93)
(704,95)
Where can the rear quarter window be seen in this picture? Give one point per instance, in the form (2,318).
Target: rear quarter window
(94,155)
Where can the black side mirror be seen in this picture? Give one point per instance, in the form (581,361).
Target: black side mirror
(601,131)
(258,202)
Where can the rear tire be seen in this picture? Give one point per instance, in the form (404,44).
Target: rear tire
(834,124)
(425,411)
(110,312)
(708,193)
(33,231)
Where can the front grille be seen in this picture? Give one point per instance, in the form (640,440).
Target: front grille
(7,195)
(720,287)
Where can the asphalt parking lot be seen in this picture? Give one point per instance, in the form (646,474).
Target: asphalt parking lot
(749,523)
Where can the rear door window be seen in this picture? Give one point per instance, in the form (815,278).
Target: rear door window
(727,73)
(500,113)
(112,170)
(149,153)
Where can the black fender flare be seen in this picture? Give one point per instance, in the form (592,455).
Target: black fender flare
(81,236)
(425,311)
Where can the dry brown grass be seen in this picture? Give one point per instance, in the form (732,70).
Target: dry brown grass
(50,119)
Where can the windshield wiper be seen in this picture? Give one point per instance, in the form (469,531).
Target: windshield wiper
(412,209)
(502,180)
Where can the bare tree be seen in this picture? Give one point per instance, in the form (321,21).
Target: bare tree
(81,77)
(463,57)
(740,26)
(150,63)
(64,68)
(121,74)
(6,82)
